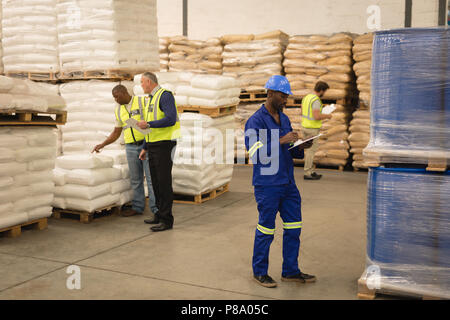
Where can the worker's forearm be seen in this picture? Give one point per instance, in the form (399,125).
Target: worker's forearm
(112,137)
(321,117)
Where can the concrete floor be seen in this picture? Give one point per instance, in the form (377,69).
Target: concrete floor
(206,256)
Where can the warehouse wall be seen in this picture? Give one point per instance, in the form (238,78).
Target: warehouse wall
(208,18)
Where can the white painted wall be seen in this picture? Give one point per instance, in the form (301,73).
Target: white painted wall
(212,18)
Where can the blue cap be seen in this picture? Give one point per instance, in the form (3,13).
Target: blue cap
(279,83)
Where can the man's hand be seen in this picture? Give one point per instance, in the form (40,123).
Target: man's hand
(142,124)
(329,116)
(98,148)
(306,145)
(291,137)
(143,154)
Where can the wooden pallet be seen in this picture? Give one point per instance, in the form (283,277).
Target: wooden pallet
(201,198)
(365,293)
(432,164)
(97,74)
(253,95)
(35,76)
(24,117)
(15,231)
(84,216)
(213,112)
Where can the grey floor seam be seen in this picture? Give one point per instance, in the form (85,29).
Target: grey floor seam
(172,281)
(34,278)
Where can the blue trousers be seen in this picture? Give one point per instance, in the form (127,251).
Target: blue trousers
(137,169)
(271,200)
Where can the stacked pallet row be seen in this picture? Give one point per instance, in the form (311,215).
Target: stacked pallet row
(108,40)
(163,54)
(252,60)
(195,56)
(28,147)
(309,59)
(360,124)
(29,37)
(203,162)
(408,212)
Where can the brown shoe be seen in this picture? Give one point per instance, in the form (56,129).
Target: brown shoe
(129,213)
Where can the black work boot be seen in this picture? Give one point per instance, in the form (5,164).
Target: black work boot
(301,277)
(265,281)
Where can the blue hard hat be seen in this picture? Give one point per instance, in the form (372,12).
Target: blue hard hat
(279,83)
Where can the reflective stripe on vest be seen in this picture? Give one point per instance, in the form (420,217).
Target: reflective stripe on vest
(122,115)
(308,120)
(153,113)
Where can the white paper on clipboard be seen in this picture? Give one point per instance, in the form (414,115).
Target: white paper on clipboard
(134,124)
(328,109)
(300,141)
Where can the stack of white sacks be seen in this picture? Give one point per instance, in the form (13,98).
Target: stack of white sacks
(195,55)
(29,36)
(27,158)
(204,155)
(85,181)
(253,62)
(107,35)
(209,91)
(163,54)
(88,182)
(27,95)
(90,115)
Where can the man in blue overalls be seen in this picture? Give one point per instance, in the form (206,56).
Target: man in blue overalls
(268,137)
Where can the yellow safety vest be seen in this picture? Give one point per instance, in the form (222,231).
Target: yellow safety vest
(307,114)
(153,113)
(137,112)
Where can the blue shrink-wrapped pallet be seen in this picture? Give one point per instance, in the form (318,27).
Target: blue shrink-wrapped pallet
(408,232)
(410,107)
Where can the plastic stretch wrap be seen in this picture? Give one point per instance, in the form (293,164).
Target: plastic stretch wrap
(29,36)
(26,184)
(408,230)
(108,35)
(410,108)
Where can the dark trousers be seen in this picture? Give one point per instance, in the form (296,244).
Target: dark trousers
(160,161)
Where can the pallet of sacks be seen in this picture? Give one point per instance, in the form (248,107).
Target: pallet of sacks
(30,39)
(253,59)
(195,56)
(360,124)
(87,183)
(115,42)
(309,59)
(26,185)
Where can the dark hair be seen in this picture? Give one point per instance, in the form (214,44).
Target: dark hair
(151,76)
(120,88)
(321,86)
